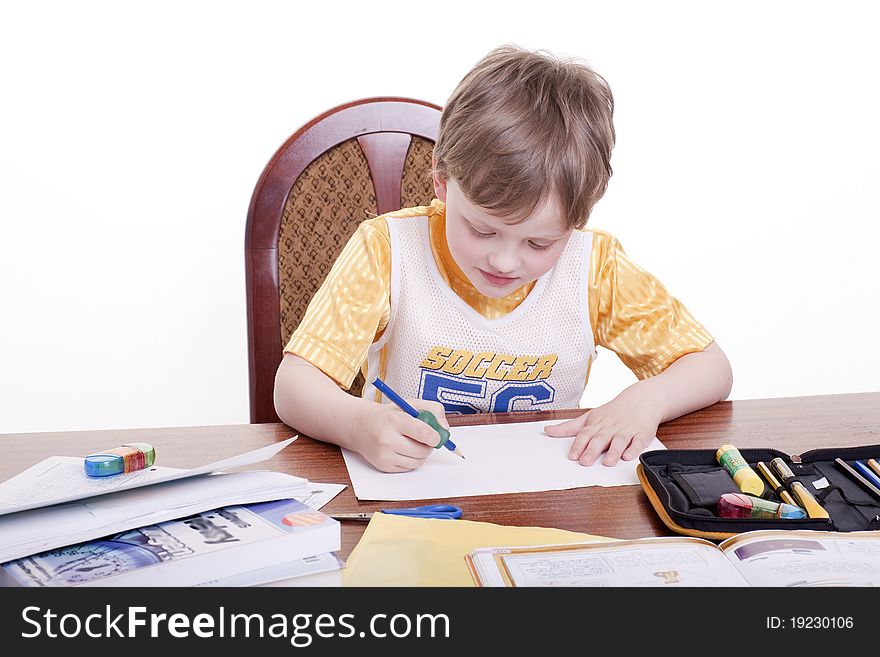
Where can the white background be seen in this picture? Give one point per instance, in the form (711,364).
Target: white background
(131,137)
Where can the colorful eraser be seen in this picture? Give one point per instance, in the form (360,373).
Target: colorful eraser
(126,458)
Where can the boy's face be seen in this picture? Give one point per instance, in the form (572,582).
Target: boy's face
(498,257)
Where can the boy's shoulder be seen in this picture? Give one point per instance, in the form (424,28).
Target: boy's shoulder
(380,222)
(605,247)
(597,233)
(602,239)
(435,208)
(374,224)
(375,229)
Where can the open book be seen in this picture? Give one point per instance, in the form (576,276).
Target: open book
(758,558)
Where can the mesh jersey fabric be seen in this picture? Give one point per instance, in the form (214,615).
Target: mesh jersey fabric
(437,347)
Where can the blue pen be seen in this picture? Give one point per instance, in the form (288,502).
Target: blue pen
(867,473)
(425,416)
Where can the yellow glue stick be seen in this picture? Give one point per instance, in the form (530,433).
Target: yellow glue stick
(746,478)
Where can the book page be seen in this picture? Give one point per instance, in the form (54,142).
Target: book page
(655,562)
(806,558)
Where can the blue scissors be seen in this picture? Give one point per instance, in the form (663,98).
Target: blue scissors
(440,511)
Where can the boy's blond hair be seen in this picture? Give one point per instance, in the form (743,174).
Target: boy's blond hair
(523,125)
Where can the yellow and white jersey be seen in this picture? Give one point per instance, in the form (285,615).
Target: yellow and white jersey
(436,347)
(630,312)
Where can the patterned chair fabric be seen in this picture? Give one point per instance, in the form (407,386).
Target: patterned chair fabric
(326,204)
(351,163)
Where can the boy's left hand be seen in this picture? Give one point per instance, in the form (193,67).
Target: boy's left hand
(623,426)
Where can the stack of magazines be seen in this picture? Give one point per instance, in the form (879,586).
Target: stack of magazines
(233,546)
(164,526)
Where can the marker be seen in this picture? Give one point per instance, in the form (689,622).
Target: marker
(746,478)
(425,416)
(774,483)
(843,465)
(119,460)
(805,500)
(874,466)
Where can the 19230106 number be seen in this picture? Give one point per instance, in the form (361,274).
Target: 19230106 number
(810,623)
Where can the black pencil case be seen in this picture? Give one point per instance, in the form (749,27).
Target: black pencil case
(684,485)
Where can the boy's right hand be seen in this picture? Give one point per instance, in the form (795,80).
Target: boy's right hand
(392,440)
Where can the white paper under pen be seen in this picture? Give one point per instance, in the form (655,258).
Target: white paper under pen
(500,458)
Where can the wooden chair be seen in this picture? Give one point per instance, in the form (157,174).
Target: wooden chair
(355,161)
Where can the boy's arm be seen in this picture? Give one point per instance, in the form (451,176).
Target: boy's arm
(625,425)
(692,382)
(310,401)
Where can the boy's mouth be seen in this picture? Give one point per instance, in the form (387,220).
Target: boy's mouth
(500,281)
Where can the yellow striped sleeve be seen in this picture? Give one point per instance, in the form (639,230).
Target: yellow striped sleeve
(351,308)
(634,316)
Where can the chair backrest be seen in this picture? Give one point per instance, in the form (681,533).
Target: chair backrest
(355,161)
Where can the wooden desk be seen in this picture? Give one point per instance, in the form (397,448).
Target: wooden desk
(793,425)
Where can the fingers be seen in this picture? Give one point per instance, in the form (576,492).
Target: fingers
(436,408)
(423,434)
(592,441)
(567,428)
(588,444)
(619,442)
(397,463)
(404,463)
(396,452)
(639,442)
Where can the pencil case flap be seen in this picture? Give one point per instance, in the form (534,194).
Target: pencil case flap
(703,487)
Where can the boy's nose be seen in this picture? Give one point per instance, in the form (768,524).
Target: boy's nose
(504,262)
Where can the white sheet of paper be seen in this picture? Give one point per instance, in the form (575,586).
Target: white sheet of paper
(317,495)
(60,479)
(500,458)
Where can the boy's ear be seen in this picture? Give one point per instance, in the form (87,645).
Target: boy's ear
(439,183)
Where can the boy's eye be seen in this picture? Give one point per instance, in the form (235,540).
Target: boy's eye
(540,247)
(479,234)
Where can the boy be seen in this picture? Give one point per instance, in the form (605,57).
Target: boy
(493,297)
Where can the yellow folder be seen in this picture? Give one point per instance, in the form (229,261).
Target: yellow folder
(402,551)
